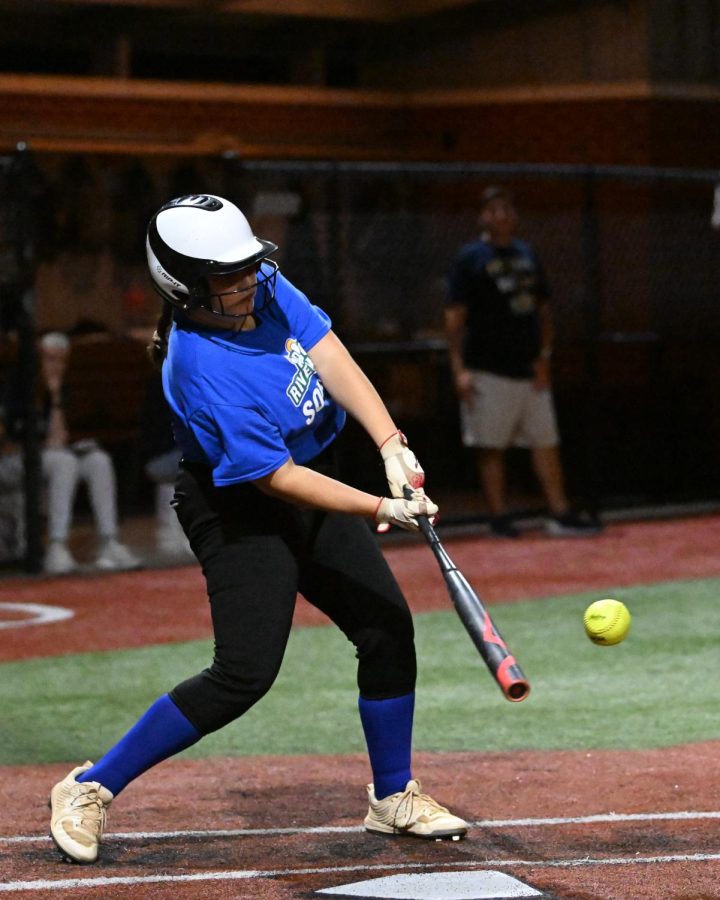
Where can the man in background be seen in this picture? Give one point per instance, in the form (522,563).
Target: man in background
(500,339)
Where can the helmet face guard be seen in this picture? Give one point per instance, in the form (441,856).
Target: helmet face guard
(264,286)
(197,236)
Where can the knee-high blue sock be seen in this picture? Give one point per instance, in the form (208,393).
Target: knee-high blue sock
(160,733)
(388,734)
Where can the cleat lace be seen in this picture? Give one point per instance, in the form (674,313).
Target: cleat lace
(427,806)
(88,804)
(412,805)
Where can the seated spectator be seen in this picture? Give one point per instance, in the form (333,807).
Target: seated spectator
(169,537)
(67,463)
(161,457)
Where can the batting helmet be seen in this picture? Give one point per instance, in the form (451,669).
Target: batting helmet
(199,235)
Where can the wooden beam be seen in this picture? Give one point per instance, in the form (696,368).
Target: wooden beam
(350,10)
(615,123)
(126,116)
(353,10)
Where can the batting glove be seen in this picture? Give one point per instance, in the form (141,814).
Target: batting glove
(404,513)
(401,465)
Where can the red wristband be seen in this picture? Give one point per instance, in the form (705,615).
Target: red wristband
(394,434)
(377,508)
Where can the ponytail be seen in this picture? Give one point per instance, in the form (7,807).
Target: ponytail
(157,348)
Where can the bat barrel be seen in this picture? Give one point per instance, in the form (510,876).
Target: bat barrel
(478,623)
(502,664)
(517,691)
(514,684)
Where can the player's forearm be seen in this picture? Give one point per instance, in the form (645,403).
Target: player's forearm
(351,388)
(305,487)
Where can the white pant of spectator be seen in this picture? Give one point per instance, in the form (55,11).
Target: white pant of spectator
(169,535)
(63,470)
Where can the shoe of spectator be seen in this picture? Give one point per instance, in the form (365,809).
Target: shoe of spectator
(172,545)
(58,559)
(114,555)
(572,524)
(502,527)
(170,540)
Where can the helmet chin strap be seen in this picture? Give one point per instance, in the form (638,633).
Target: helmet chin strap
(222,313)
(219,318)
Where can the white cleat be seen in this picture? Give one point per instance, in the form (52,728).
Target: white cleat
(412,813)
(78,814)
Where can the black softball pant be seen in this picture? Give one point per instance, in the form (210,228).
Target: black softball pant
(257,552)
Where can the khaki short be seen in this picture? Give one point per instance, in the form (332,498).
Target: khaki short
(508,412)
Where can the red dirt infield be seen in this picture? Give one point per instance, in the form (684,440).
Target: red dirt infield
(609,825)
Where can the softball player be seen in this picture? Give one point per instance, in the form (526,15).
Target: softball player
(258,385)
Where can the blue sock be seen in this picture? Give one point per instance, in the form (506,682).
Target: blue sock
(388,734)
(160,733)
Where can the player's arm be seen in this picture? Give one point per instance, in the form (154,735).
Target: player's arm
(350,387)
(305,487)
(300,485)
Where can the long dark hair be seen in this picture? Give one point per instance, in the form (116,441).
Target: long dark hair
(157,348)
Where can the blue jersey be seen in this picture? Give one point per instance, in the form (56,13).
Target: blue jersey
(245,402)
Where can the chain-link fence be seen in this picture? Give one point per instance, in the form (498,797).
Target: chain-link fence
(632,257)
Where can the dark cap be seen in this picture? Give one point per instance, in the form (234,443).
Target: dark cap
(494,192)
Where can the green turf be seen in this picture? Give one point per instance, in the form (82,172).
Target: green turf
(653,690)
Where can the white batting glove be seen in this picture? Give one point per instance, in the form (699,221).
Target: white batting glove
(401,465)
(404,513)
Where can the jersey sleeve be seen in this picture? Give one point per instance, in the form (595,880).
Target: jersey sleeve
(240,443)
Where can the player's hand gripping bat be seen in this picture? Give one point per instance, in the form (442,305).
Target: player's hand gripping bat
(476,619)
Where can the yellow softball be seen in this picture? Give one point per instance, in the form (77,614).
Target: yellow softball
(607,622)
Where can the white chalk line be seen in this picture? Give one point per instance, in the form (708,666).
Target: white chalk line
(247,874)
(353,829)
(38,613)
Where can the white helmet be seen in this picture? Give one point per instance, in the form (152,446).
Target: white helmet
(199,235)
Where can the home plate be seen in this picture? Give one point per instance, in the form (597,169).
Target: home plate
(476,885)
